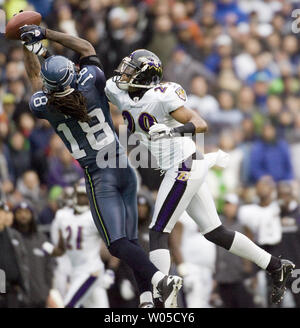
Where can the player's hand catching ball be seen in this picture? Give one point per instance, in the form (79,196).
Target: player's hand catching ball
(158,131)
(31,34)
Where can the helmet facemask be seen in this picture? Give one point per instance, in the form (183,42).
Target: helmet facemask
(129,75)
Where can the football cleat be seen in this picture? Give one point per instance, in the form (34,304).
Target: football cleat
(146,305)
(279,278)
(168,288)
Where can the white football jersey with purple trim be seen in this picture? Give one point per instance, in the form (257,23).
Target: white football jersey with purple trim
(156,105)
(82,241)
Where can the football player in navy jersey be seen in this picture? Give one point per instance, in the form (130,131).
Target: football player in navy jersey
(76,106)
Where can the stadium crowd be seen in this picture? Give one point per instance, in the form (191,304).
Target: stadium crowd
(239,63)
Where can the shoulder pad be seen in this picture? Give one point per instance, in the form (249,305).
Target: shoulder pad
(113,92)
(172,90)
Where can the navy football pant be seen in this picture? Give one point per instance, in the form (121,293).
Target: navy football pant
(113,201)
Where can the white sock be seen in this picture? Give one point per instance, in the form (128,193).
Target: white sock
(157,277)
(146,297)
(244,247)
(161,259)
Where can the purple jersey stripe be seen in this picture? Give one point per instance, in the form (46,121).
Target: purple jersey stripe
(81,291)
(170,205)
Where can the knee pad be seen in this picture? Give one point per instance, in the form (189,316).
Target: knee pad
(158,240)
(221,236)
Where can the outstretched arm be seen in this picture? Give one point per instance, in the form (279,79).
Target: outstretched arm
(83,47)
(33,68)
(32,34)
(187,116)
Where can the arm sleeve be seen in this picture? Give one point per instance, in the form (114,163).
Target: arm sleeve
(90,60)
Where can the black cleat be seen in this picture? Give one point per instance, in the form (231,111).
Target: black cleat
(279,278)
(168,288)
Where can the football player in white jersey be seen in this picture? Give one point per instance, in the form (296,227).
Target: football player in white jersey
(80,241)
(156,111)
(63,265)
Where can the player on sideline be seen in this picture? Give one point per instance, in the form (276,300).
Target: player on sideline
(76,106)
(156,111)
(80,241)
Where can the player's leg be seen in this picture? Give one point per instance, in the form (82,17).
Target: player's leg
(109,214)
(80,289)
(129,196)
(174,194)
(202,209)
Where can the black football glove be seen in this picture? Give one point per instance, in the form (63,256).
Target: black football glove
(31,34)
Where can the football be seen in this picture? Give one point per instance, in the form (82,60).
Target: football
(25,17)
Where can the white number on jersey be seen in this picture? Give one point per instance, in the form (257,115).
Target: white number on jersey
(90,134)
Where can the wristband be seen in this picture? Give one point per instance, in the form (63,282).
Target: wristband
(188,128)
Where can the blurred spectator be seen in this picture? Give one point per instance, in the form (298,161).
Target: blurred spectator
(30,188)
(54,201)
(163,34)
(266,152)
(229,12)
(200,100)
(223,49)
(195,259)
(39,140)
(14,262)
(20,154)
(40,264)
(182,68)
(63,171)
(261,222)
(228,114)
(231,270)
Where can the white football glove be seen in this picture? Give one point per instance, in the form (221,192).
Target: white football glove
(108,279)
(36,48)
(159,130)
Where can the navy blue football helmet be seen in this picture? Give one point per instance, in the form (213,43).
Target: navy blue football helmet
(58,73)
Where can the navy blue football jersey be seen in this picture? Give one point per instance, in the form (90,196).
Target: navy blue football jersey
(84,140)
